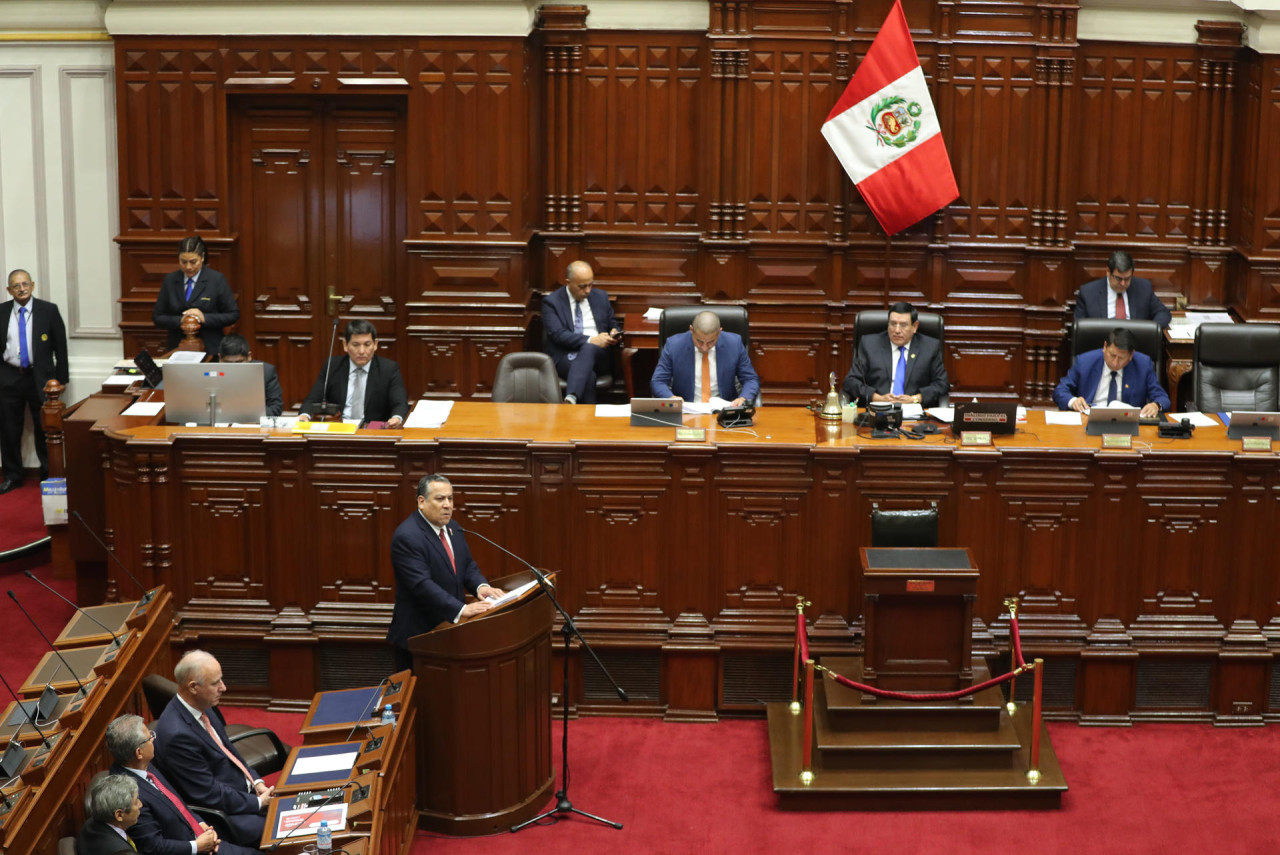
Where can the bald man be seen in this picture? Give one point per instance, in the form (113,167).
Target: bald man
(580,329)
(704,363)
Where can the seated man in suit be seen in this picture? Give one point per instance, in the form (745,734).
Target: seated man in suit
(193,751)
(366,386)
(900,365)
(1129,378)
(434,569)
(234,349)
(580,328)
(111,808)
(166,825)
(704,363)
(1121,295)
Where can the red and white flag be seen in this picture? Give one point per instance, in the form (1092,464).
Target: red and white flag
(886,134)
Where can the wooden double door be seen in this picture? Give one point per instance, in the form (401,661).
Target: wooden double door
(319,203)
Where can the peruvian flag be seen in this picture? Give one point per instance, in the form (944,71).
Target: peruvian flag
(885,132)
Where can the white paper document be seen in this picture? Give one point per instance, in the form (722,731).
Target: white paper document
(1197,419)
(144,408)
(911,412)
(652,314)
(943,414)
(306,821)
(180,356)
(613,411)
(121,379)
(429,414)
(325,763)
(1062,417)
(513,594)
(697,408)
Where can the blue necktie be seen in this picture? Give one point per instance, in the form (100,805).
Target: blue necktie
(577,323)
(1111,392)
(24,356)
(190,284)
(900,376)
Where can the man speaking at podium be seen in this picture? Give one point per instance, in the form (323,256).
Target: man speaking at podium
(434,570)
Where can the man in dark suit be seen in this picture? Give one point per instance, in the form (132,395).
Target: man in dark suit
(1129,377)
(111,808)
(365,386)
(166,825)
(705,362)
(35,351)
(1121,295)
(900,365)
(193,751)
(234,349)
(195,290)
(434,569)
(580,329)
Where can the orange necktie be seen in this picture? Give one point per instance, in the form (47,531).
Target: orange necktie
(706,377)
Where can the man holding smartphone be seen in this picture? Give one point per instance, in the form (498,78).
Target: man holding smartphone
(580,329)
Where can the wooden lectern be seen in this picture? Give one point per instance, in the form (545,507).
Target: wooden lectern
(484,723)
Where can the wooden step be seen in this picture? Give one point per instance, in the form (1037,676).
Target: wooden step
(912,788)
(849,708)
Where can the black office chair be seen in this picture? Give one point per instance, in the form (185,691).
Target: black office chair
(260,748)
(913,527)
(874,321)
(1237,367)
(526,378)
(677,319)
(1091,333)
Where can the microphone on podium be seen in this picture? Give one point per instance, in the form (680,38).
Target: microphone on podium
(324,408)
(81,692)
(147,595)
(115,639)
(26,711)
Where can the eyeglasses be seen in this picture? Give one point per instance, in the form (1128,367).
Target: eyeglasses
(151,736)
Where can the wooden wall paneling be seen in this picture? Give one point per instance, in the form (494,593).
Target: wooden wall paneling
(1257,185)
(144,263)
(723,171)
(562,33)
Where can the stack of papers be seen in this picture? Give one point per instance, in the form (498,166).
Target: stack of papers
(429,414)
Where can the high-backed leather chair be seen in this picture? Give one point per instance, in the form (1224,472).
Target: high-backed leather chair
(526,378)
(1237,367)
(1090,334)
(260,748)
(913,527)
(873,321)
(678,319)
(535,340)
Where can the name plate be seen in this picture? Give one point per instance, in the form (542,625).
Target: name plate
(1255,443)
(975,437)
(920,586)
(691,434)
(1117,440)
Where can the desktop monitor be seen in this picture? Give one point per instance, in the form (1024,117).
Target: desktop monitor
(238,386)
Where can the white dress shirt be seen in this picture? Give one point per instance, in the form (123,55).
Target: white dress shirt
(1101,394)
(1111,302)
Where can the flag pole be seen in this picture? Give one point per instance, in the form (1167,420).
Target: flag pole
(888,249)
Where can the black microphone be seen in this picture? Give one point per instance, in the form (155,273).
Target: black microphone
(360,721)
(115,639)
(324,408)
(146,595)
(83,692)
(30,716)
(306,819)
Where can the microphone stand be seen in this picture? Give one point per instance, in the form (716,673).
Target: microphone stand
(567,631)
(324,408)
(116,643)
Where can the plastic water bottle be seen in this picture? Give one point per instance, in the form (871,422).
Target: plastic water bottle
(388,715)
(324,839)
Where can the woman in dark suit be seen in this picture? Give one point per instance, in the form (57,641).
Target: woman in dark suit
(194,289)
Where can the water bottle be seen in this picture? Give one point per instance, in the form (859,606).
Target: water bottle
(324,839)
(388,716)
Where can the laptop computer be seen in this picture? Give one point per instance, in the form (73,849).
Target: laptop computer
(657,412)
(241,395)
(1254,424)
(999,417)
(1121,420)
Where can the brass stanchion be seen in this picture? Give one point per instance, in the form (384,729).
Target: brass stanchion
(1033,774)
(806,775)
(801,602)
(1011,604)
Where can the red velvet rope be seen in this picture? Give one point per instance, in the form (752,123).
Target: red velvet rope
(941,696)
(802,638)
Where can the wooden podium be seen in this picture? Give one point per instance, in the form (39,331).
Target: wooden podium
(484,697)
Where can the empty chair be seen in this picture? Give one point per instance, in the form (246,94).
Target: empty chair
(912,527)
(1237,367)
(1090,333)
(526,378)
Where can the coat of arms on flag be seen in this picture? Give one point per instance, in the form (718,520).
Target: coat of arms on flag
(885,132)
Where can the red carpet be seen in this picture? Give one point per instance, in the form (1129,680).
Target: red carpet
(21,519)
(22,647)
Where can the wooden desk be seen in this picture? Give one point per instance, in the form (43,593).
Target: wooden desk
(1144,574)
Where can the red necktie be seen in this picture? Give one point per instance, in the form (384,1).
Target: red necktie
(449,549)
(208,726)
(177,803)
(1120,314)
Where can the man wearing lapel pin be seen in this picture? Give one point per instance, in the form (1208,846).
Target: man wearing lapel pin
(900,365)
(368,387)
(193,751)
(434,570)
(194,289)
(35,351)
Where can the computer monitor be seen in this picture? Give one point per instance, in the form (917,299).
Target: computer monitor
(1254,424)
(238,386)
(1121,420)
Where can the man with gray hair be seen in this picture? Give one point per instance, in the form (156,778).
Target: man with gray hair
(193,750)
(111,808)
(166,825)
(704,363)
